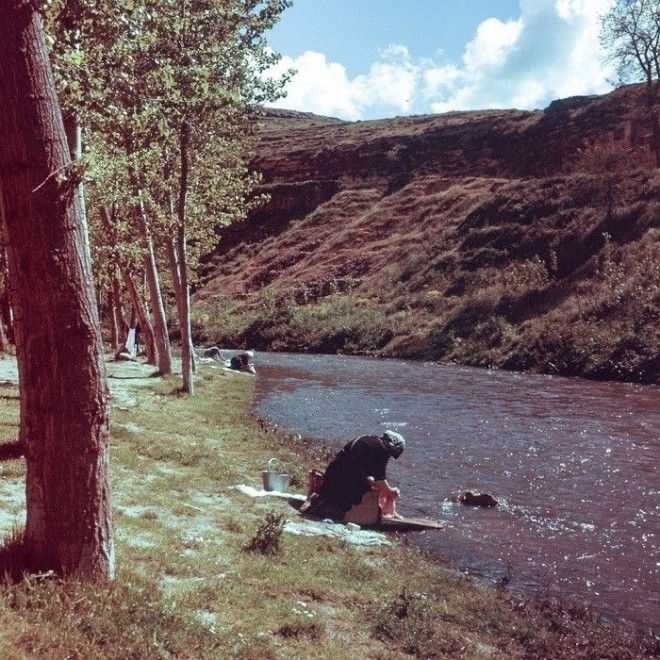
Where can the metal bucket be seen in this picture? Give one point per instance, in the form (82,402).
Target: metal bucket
(274,478)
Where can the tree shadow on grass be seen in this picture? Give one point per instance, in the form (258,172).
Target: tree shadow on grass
(10,450)
(15,560)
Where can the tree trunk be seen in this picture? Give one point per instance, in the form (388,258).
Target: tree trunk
(64,420)
(184,315)
(175,274)
(161,336)
(118,306)
(143,316)
(112,310)
(4,342)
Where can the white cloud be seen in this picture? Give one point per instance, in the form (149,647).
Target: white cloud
(319,86)
(489,48)
(324,88)
(550,51)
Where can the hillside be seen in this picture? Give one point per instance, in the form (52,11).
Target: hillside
(503,238)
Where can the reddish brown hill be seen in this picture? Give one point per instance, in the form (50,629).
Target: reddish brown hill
(503,238)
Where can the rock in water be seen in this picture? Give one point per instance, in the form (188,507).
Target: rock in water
(483,499)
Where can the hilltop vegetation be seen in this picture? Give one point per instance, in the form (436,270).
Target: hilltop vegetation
(523,240)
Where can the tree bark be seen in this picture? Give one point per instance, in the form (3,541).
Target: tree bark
(118,306)
(112,311)
(175,274)
(143,317)
(4,342)
(184,315)
(161,336)
(64,420)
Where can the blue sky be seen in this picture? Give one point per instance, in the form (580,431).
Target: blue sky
(365,59)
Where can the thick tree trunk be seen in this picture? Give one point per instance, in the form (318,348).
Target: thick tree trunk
(147,330)
(161,336)
(184,315)
(62,376)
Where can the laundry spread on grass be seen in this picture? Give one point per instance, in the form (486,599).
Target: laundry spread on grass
(250,491)
(337,530)
(350,533)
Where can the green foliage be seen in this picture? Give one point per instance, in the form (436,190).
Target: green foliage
(267,538)
(140,76)
(341,322)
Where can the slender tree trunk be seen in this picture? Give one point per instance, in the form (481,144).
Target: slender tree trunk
(175,274)
(64,420)
(161,336)
(4,342)
(143,317)
(17,320)
(118,306)
(184,315)
(112,311)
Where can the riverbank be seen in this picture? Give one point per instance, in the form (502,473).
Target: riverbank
(187,587)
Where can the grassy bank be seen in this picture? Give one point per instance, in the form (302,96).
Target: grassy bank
(187,586)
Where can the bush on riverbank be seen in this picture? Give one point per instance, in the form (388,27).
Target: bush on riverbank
(187,588)
(340,323)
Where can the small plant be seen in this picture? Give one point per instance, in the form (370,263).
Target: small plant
(408,621)
(266,540)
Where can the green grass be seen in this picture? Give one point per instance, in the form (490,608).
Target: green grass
(187,588)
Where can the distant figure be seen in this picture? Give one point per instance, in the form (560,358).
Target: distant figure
(241,362)
(137,340)
(213,352)
(354,487)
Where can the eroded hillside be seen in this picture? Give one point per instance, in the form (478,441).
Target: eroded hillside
(525,240)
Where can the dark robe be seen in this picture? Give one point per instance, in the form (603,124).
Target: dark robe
(345,479)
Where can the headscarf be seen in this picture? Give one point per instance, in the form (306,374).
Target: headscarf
(393,442)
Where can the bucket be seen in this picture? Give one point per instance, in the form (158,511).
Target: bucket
(274,478)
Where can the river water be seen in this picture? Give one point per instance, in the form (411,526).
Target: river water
(572,463)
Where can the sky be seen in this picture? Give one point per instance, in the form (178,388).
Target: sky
(370,59)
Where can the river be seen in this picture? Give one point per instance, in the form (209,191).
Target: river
(572,463)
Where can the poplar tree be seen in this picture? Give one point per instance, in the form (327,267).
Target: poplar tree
(173,83)
(64,423)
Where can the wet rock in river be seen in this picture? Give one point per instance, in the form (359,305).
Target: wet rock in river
(483,499)
(472,499)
